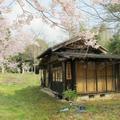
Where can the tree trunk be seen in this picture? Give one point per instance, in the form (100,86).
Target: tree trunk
(3,69)
(23,71)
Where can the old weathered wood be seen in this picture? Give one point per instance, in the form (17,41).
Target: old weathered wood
(96,77)
(92,71)
(74,71)
(64,75)
(50,75)
(106,75)
(86,75)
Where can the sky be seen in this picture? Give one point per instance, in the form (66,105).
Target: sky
(52,35)
(42,30)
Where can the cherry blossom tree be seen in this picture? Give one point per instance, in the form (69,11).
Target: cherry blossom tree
(11,44)
(106,1)
(61,13)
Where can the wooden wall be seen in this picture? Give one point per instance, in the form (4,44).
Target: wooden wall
(81,78)
(94,77)
(101,77)
(91,82)
(110,82)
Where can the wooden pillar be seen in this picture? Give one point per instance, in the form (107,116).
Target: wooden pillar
(49,75)
(115,75)
(113,78)
(44,77)
(64,75)
(106,75)
(74,72)
(118,76)
(86,67)
(96,77)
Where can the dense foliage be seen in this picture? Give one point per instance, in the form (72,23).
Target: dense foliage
(114,46)
(70,94)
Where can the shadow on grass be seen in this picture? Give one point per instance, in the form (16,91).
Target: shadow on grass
(32,102)
(31,94)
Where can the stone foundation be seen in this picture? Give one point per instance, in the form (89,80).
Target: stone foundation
(102,96)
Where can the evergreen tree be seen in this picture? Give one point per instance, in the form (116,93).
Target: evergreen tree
(114,46)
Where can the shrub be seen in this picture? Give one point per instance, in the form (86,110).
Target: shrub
(70,94)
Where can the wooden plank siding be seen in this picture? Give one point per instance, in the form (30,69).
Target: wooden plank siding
(93,77)
(81,78)
(110,82)
(101,77)
(91,82)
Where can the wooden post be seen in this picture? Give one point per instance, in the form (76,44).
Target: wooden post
(86,67)
(74,72)
(106,75)
(64,74)
(113,78)
(49,75)
(96,77)
(44,77)
(117,70)
(116,76)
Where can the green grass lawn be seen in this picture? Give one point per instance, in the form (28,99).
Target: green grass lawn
(22,99)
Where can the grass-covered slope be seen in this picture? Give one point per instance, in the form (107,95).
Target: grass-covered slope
(22,99)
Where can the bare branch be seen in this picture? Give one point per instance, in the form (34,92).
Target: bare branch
(94,10)
(53,22)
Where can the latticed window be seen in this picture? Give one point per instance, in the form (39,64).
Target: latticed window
(68,71)
(57,74)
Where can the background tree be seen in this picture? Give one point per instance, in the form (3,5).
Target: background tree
(110,13)
(27,60)
(114,46)
(66,14)
(103,34)
(10,44)
(34,50)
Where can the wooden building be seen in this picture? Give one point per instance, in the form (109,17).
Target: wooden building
(73,64)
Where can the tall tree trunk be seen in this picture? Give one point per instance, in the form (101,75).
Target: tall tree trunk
(23,71)
(3,69)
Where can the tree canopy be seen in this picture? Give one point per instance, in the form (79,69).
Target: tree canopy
(114,46)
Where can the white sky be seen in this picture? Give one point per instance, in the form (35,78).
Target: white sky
(51,35)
